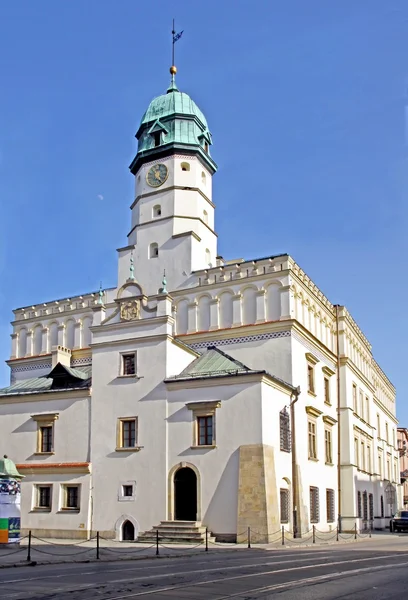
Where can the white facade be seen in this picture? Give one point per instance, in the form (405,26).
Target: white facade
(268,315)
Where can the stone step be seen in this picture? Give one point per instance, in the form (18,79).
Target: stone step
(176,531)
(149,537)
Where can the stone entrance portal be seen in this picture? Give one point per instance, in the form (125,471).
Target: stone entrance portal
(185,495)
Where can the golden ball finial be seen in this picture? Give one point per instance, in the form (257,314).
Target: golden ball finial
(173,70)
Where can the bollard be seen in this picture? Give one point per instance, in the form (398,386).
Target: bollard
(249,537)
(29,546)
(337,534)
(314,534)
(157,542)
(97,545)
(283,535)
(355,531)
(206,539)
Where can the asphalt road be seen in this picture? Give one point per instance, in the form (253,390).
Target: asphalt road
(360,571)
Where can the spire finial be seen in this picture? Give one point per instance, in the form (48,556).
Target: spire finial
(173,68)
(132,267)
(164,283)
(101,294)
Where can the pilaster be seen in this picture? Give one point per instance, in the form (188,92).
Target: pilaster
(192,317)
(44,340)
(214,313)
(237,310)
(78,335)
(260,306)
(14,345)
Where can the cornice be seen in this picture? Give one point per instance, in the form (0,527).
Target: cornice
(385,410)
(27,359)
(139,340)
(362,432)
(236,379)
(219,284)
(329,420)
(76,394)
(235,332)
(53,316)
(345,361)
(154,221)
(313,411)
(53,468)
(100,329)
(169,189)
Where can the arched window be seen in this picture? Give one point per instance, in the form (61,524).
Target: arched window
(208,257)
(205,217)
(203,178)
(153,250)
(185,166)
(157,211)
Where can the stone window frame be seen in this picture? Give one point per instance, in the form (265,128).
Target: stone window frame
(314,501)
(327,374)
(64,497)
(36,506)
(330,505)
(328,424)
(355,398)
(203,409)
(284,505)
(122,356)
(45,420)
(313,414)
(119,435)
(121,495)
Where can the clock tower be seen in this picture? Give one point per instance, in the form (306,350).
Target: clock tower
(172,222)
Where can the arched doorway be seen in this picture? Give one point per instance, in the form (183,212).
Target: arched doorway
(128,531)
(185,495)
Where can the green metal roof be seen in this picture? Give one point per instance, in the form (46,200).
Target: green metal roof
(45,383)
(181,124)
(211,363)
(8,469)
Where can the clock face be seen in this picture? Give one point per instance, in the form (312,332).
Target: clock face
(157,175)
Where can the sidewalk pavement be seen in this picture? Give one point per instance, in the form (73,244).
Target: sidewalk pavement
(57,551)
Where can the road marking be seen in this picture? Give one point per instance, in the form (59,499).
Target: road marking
(197,583)
(158,566)
(298,582)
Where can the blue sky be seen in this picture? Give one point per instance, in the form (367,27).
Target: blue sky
(306,104)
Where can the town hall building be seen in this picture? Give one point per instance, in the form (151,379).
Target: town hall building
(199,391)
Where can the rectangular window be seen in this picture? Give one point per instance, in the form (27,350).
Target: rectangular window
(354,398)
(312,439)
(327,390)
(386,433)
(359,511)
(205,431)
(310,379)
(380,465)
(128,431)
(365,506)
(127,490)
(328,446)
(314,505)
(388,470)
(393,438)
(356,457)
(361,402)
(368,464)
(46,441)
(382,506)
(43,496)
(285,437)
(330,506)
(367,409)
(129,364)
(71,497)
(284,506)
(362,464)
(378,426)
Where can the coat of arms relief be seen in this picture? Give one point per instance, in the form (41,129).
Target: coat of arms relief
(130,310)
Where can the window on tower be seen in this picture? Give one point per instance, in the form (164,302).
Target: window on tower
(153,250)
(185,166)
(206,147)
(157,138)
(157,211)
(205,217)
(203,178)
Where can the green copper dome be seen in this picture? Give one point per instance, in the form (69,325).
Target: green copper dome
(173,122)
(170,104)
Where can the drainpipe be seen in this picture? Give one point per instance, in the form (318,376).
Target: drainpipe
(295,491)
(338,420)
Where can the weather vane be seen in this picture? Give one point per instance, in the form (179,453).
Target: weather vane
(175,37)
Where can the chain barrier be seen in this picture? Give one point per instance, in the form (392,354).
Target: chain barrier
(181,549)
(36,549)
(11,553)
(126,550)
(63,544)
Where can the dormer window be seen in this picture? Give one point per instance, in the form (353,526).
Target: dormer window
(206,147)
(156,135)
